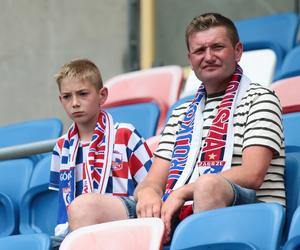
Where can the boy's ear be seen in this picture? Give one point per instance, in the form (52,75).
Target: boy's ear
(103,94)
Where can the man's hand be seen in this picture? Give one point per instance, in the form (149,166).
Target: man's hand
(170,208)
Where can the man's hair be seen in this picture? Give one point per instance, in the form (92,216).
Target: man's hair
(209,20)
(82,70)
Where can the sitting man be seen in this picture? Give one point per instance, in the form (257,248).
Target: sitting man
(223,148)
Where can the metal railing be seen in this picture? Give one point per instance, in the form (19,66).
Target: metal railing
(24,150)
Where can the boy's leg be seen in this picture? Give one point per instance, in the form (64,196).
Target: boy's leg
(93,208)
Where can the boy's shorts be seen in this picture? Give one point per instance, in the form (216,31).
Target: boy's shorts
(130,206)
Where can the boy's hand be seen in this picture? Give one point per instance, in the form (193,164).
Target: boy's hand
(149,203)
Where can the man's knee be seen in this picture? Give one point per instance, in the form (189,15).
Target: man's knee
(212,190)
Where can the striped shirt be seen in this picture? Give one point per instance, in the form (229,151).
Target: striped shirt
(257,122)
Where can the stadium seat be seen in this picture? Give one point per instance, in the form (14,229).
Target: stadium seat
(39,205)
(291,123)
(162,84)
(146,114)
(293,241)
(14,181)
(280,28)
(288,90)
(178,103)
(253,226)
(291,64)
(25,242)
(30,131)
(292,184)
(132,234)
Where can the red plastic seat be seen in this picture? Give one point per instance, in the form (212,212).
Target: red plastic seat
(288,90)
(131,234)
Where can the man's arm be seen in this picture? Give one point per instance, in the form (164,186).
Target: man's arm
(149,192)
(255,163)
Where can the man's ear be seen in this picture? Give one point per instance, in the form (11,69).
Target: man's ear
(103,94)
(238,51)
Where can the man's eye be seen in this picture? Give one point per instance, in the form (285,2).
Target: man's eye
(83,93)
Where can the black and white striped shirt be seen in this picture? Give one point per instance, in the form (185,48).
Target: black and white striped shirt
(257,121)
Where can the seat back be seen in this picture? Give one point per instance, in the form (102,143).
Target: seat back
(30,131)
(14,181)
(39,206)
(292,184)
(288,90)
(291,123)
(291,64)
(259,225)
(280,28)
(26,242)
(161,83)
(132,234)
(145,114)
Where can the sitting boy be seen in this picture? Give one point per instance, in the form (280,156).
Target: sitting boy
(97,158)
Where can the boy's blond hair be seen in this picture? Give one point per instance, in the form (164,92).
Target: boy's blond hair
(82,70)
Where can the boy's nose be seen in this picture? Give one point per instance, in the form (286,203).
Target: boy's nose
(75,102)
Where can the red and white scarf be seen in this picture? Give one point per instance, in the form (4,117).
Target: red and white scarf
(189,158)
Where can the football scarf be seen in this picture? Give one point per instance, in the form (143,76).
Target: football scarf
(191,157)
(96,169)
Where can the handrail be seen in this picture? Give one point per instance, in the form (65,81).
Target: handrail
(27,149)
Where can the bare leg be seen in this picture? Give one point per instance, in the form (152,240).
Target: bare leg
(93,208)
(212,191)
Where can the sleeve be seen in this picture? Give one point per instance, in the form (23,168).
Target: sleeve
(139,155)
(55,166)
(264,124)
(168,137)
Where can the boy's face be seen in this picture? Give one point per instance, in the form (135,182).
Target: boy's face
(81,101)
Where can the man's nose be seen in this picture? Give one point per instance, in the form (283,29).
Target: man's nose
(209,55)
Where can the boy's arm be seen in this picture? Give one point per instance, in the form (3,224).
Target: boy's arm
(149,192)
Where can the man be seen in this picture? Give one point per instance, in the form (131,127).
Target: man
(224,148)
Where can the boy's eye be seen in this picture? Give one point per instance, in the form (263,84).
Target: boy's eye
(83,93)
(65,97)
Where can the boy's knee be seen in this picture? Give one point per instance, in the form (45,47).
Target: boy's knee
(208,183)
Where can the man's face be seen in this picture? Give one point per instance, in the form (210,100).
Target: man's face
(212,55)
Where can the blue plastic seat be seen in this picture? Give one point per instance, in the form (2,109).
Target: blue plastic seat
(30,131)
(178,103)
(278,32)
(143,113)
(291,64)
(280,28)
(253,226)
(291,123)
(25,242)
(14,181)
(39,206)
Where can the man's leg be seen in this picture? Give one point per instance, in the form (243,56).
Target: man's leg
(93,208)
(212,191)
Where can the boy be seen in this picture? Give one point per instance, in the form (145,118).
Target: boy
(96,158)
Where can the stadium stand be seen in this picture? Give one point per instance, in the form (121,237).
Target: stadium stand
(142,233)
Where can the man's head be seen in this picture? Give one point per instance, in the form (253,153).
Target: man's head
(213,50)
(210,20)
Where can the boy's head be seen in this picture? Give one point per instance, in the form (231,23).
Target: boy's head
(80,70)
